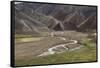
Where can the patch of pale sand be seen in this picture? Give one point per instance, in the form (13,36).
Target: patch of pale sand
(30,39)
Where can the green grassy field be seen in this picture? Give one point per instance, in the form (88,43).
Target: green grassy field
(85,54)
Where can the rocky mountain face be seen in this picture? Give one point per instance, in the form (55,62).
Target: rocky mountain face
(34,18)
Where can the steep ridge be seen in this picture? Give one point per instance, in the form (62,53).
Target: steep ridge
(37,17)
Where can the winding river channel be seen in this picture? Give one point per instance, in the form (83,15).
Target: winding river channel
(62,47)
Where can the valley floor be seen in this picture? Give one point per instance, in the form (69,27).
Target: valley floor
(27,50)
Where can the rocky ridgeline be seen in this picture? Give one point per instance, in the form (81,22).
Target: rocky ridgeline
(34,18)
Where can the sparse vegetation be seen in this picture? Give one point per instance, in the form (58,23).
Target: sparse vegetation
(85,54)
(39,27)
(88,43)
(17,36)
